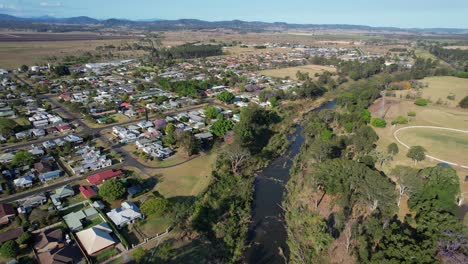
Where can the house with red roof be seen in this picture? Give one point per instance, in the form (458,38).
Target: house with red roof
(125,104)
(7,212)
(87,191)
(65,97)
(99,178)
(63,128)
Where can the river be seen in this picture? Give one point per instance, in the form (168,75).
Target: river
(267,234)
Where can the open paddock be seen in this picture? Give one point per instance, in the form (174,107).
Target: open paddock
(439,88)
(291,71)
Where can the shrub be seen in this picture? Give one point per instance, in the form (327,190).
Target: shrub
(421,102)
(378,122)
(393,149)
(412,114)
(400,120)
(9,249)
(464,102)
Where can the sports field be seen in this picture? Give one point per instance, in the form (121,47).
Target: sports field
(447,145)
(291,71)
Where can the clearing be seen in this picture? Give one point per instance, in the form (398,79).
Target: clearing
(291,71)
(438,88)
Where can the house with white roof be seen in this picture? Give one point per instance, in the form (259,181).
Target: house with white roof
(128,213)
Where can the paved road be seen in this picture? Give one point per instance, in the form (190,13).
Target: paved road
(53,186)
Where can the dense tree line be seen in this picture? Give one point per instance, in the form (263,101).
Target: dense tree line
(186,51)
(337,194)
(456,57)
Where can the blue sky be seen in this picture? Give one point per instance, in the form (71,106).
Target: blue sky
(399,13)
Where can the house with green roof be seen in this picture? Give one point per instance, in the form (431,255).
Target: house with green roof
(76,220)
(60,193)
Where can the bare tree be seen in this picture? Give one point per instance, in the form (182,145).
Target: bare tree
(238,157)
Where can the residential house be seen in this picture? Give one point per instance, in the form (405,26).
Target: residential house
(11,234)
(89,159)
(96,239)
(31,201)
(24,182)
(7,213)
(99,178)
(128,213)
(53,248)
(75,220)
(87,191)
(46,170)
(61,193)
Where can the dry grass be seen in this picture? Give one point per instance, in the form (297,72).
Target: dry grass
(425,116)
(15,54)
(188,179)
(457,47)
(291,72)
(441,87)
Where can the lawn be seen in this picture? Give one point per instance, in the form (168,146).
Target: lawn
(188,179)
(444,144)
(153,225)
(441,87)
(291,71)
(107,254)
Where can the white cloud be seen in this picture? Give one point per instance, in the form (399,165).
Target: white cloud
(51,4)
(7,7)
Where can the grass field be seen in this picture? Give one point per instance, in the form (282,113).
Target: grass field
(425,116)
(441,87)
(291,71)
(188,179)
(444,144)
(15,54)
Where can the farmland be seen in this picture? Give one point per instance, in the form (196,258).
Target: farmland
(291,71)
(15,54)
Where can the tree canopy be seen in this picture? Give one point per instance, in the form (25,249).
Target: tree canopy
(112,190)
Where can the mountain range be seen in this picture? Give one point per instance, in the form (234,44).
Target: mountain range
(64,24)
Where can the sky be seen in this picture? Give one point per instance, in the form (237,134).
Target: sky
(396,13)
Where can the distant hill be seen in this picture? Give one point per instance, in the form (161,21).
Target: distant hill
(47,23)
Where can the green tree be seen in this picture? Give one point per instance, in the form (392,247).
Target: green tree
(273,101)
(189,143)
(155,205)
(9,249)
(392,148)
(139,254)
(417,153)
(112,190)
(464,102)
(25,238)
(378,122)
(366,116)
(226,97)
(421,102)
(22,158)
(169,138)
(400,120)
(211,112)
(221,126)
(408,181)
(24,68)
(61,70)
